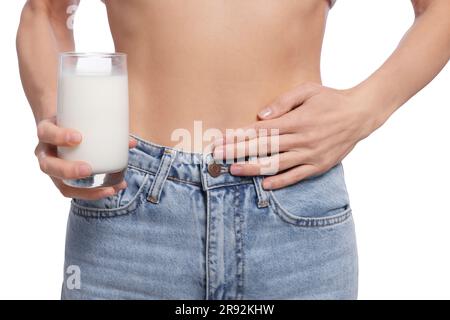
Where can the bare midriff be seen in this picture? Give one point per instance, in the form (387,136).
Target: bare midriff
(217,62)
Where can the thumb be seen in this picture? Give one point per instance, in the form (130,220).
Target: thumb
(289,100)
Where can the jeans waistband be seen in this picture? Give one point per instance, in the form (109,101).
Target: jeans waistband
(194,168)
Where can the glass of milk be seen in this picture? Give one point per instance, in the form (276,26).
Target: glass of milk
(93,99)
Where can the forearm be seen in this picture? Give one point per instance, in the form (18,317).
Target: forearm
(420,56)
(42,34)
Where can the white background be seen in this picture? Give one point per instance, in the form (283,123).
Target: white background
(398,178)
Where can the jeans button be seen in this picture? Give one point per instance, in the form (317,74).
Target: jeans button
(214,169)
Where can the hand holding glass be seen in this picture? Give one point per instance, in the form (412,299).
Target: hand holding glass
(93,99)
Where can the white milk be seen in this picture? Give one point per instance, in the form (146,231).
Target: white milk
(96,106)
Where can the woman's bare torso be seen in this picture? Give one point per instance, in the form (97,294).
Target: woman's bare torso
(218,62)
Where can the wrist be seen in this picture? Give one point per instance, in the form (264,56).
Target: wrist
(374,107)
(45,107)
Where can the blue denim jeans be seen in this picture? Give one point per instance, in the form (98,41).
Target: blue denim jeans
(183,231)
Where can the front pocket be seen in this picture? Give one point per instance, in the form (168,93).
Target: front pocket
(318,201)
(124,202)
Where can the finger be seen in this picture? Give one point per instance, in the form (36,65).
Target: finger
(289,101)
(43,148)
(132,143)
(260,146)
(280,126)
(269,165)
(62,169)
(49,132)
(88,194)
(289,177)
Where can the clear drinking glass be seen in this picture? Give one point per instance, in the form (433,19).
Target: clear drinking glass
(93,99)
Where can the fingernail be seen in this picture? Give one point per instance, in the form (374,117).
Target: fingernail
(74,137)
(84,170)
(236,169)
(265,112)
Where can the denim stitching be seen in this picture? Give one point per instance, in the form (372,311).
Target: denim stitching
(309,221)
(192,182)
(184,181)
(168,177)
(155,181)
(213,258)
(107,213)
(208,231)
(263,199)
(229,184)
(160,178)
(140,169)
(239,222)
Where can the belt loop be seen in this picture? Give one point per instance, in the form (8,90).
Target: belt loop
(263,195)
(161,175)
